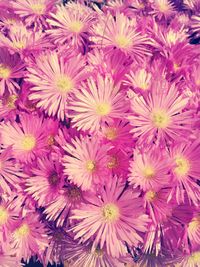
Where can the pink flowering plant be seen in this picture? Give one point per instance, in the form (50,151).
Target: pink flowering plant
(100,133)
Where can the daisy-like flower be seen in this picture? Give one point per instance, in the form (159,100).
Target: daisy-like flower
(28,237)
(186,171)
(157,206)
(118,134)
(86,162)
(71,23)
(160,115)
(50,177)
(8,217)
(149,169)
(11,68)
(24,41)
(34,11)
(27,138)
(118,162)
(109,219)
(120,33)
(10,172)
(97,102)
(82,255)
(140,79)
(162,8)
(8,19)
(54,78)
(59,209)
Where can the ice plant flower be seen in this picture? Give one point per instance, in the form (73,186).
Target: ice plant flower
(34,12)
(160,115)
(71,23)
(186,171)
(26,138)
(97,102)
(59,78)
(49,173)
(149,169)
(111,218)
(85,162)
(11,68)
(120,33)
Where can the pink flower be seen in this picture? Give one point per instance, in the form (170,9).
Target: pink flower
(24,41)
(109,218)
(160,115)
(8,107)
(34,12)
(50,177)
(28,237)
(71,23)
(149,169)
(97,102)
(186,171)
(120,33)
(85,163)
(10,171)
(11,68)
(59,209)
(26,138)
(54,81)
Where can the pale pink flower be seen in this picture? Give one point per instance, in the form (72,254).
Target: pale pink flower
(34,12)
(186,171)
(108,219)
(160,115)
(86,161)
(26,138)
(150,169)
(97,102)
(121,33)
(54,81)
(71,23)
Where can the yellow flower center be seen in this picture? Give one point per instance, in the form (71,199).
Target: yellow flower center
(98,252)
(38,8)
(111,133)
(149,172)
(194,258)
(28,142)
(160,119)
(164,6)
(90,165)
(53,179)
(122,41)
(22,231)
(112,162)
(19,44)
(103,109)
(176,66)
(4,72)
(194,224)
(76,26)
(151,196)
(64,84)
(3,215)
(110,212)
(171,37)
(183,166)
(10,102)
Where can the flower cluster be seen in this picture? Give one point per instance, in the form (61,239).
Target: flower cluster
(100,133)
